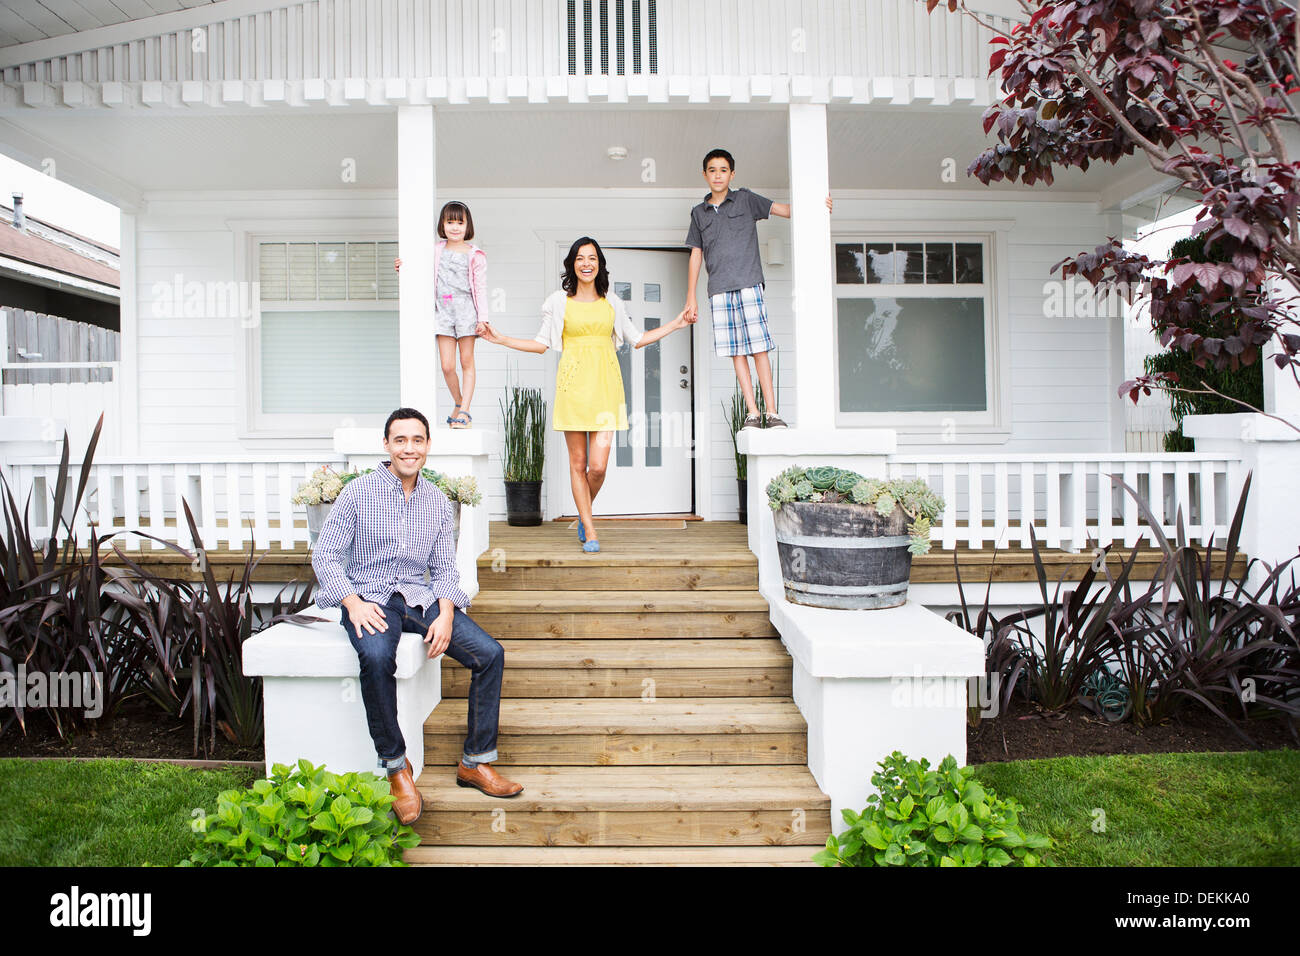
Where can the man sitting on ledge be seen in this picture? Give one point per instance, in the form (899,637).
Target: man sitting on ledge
(388,531)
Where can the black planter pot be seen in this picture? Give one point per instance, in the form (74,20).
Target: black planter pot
(742,486)
(523,503)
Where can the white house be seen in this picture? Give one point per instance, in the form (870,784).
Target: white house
(271,158)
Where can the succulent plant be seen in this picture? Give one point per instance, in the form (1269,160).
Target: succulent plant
(823,477)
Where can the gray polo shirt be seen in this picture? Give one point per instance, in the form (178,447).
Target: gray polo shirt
(727,235)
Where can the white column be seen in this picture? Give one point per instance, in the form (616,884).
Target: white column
(811,266)
(417,225)
(128,363)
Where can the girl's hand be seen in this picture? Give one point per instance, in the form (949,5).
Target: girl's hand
(397,265)
(486,331)
(684,318)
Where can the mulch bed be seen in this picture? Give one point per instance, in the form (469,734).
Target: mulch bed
(138,730)
(1021,734)
(1025,733)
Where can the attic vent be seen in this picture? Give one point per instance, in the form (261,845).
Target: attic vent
(609,36)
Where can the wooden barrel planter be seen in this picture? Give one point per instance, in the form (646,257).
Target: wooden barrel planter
(842,555)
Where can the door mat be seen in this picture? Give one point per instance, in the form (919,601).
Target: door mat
(634,524)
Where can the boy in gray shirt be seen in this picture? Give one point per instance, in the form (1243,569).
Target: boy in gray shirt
(723,237)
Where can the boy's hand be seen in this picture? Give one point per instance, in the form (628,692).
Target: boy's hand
(683,319)
(692,312)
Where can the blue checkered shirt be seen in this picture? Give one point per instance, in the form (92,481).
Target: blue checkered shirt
(376,542)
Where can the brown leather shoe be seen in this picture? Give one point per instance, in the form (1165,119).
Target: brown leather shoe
(484,778)
(408,802)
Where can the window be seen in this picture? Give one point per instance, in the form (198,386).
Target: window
(326,344)
(612,37)
(912,337)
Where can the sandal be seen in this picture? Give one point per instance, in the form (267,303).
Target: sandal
(459,420)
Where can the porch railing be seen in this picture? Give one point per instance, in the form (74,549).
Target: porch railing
(1070,500)
(233,498)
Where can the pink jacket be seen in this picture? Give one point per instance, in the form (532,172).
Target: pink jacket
(477,276)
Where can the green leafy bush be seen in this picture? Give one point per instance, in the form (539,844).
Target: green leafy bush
(924,817)
(304,816)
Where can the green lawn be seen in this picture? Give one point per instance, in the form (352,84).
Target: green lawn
(1203,809)
(104,812)
(1222,809)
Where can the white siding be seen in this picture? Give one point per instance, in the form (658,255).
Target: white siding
(189,368)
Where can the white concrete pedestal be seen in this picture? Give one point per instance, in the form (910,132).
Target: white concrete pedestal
(867,682)
(312,695)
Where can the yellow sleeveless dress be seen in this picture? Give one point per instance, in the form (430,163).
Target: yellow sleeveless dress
(589,393)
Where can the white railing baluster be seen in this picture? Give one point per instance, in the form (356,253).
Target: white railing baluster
(949,518)
(181,476)
(261,527)
(1027,504)
(975,505)
(1130,508)
(1206,503)
(284,507)
(208,496)
(104,500)
(1104,504)
(157,524)
(1053,530)
(1183,497)
(234,514)
(1156,498)
(1079,506)
(130,505)
(1001,492)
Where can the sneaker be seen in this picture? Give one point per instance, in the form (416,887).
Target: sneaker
(751,421)
(774,421)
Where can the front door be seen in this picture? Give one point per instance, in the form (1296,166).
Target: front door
(650,465)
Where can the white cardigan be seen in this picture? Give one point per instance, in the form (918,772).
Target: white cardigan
(551,334)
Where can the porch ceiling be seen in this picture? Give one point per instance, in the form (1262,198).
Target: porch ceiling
(870,148)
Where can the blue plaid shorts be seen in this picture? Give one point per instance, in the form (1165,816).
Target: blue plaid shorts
(740,322)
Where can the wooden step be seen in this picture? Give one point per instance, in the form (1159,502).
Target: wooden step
(629,731)
(534,614)
(796,855)
(745,667)
(634,576)
(630,806)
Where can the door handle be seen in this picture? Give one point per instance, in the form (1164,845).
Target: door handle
(682,370)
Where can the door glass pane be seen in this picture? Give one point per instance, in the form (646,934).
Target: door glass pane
(623,446)
(654,455)
(652,292)
(911,355)
(623,290)
(305,355)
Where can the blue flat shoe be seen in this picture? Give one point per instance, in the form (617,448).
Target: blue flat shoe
(582,532)
(591,547)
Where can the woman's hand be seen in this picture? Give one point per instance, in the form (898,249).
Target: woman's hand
(484,330)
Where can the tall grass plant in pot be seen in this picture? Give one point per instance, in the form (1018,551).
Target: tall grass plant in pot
(523,422)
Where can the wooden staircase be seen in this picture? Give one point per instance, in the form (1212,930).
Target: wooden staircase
(645,707)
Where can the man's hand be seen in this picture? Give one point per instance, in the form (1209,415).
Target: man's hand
(365,614)
(829,204)
(439,636)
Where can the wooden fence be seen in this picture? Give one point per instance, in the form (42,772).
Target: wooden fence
(35,339)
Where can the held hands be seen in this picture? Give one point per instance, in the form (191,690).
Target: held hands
(684,318)
(691,312)
(439,636)
(486,331)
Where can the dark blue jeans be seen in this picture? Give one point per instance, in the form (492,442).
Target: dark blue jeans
(470,645)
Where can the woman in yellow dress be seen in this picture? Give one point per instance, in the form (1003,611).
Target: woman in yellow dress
(586,325)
